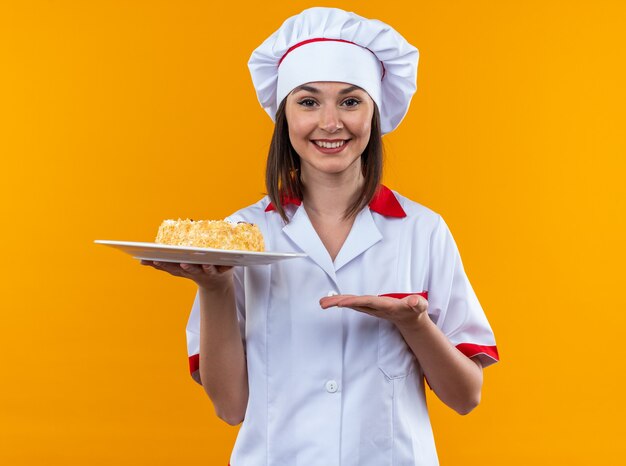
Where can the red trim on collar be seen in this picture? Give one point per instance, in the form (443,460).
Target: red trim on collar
(285,200)
(384,203)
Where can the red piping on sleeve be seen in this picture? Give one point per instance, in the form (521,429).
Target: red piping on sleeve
(194,363)
(423,294)
(470,350)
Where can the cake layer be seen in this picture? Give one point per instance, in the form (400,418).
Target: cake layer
(217,234)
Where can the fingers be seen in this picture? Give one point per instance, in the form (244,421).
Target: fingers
(378,302)
(223,268)
(371,302)
(192,271)
(331,301)
(385,307)
(210,269)
(373,305)
(169,267)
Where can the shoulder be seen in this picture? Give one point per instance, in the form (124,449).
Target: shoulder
(424,224)
(253,213)
(418,215)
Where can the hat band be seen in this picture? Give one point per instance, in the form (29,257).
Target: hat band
(324,39)
(334,60)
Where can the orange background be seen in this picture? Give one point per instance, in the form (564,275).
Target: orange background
(115,115)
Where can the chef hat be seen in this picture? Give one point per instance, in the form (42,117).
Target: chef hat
(328,44)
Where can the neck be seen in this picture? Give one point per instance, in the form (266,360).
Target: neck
(331,195)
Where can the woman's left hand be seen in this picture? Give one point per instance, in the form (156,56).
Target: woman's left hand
(407,312)
(456,379)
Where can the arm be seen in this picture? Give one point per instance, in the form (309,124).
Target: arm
(456,379)
(222,372)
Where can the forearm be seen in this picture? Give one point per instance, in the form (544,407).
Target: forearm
(223,371)
(455,379)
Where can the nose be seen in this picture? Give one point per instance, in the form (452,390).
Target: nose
(330,119)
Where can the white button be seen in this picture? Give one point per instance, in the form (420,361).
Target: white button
(332,293)
(332,386)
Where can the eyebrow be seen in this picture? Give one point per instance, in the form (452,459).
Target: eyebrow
(306,88)
(347,90)
(315,90)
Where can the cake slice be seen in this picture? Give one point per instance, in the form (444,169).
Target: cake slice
(218,234)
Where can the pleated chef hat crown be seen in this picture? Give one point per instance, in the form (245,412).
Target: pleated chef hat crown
(328,44)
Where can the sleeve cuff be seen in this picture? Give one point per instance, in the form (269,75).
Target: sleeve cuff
(423,294)
(487,355)
(194,363)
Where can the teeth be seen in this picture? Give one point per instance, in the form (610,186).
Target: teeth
(329,145)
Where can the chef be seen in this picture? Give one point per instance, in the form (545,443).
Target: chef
(324,358)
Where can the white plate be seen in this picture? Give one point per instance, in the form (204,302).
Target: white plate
(183,254)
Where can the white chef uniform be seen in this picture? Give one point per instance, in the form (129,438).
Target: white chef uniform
(337,386)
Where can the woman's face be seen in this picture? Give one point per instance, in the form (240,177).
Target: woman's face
(329,126)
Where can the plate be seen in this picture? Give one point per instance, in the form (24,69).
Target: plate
(188,255)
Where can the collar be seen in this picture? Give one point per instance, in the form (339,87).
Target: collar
(384,203)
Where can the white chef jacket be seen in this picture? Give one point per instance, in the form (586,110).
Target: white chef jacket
(339,387)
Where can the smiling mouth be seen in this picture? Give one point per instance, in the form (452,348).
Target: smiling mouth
(330,144)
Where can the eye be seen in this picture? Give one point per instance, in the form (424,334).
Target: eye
(351,102)
(306,102)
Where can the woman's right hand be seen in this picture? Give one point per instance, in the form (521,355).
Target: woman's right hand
(208,277)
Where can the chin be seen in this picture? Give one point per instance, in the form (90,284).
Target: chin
(334,170)
(332,166)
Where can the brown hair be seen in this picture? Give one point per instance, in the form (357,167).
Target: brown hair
(282,174)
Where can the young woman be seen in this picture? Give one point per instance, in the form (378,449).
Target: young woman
(324,358)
